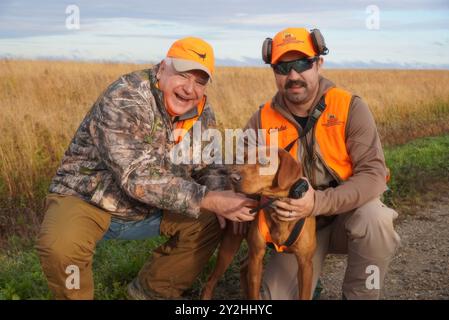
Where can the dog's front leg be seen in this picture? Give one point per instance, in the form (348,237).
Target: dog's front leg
(256,252)
(229,246)
(305,274)
(304,250)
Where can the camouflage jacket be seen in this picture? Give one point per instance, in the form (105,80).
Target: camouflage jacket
(119,158)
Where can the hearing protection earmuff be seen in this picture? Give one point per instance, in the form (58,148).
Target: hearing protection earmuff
(317,40)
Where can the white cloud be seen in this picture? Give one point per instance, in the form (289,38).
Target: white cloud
(334,18)
(140,31)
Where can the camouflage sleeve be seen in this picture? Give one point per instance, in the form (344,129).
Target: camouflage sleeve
(125,131)
(214,176)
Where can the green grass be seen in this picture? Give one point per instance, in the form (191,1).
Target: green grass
(116,262)
(416,165)
(21,276)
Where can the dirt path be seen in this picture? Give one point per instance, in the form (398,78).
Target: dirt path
(420,270)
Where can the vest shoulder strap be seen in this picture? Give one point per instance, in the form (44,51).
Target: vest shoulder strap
(296,232)
(313,118)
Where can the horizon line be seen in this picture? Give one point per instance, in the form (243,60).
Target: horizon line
(239,64)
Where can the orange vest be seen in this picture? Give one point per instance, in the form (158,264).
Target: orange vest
(265,231)
(188,123)
(329,135)
(329,131)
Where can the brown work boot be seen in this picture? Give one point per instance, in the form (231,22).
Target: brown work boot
(136,292)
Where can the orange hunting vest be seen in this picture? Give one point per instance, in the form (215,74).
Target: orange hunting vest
(329,131)
(188,123)
(329,135)
(265,232)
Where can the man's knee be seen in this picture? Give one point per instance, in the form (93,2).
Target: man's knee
(57,254)
(47,250)
(372,225)
(71,229)
(67,267)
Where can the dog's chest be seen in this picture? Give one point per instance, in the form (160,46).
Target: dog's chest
(280,231)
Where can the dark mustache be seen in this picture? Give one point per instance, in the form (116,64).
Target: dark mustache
(291,83)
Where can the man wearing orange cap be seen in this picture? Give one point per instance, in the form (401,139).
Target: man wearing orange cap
(332,132)
(117,181)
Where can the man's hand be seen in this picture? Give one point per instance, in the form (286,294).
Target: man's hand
(229,205)
(294,209)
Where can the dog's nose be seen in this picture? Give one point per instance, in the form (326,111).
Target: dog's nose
(235,177)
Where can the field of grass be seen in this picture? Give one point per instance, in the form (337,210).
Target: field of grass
(42,104)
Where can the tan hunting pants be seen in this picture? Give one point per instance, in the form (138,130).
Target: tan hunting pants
(72,227)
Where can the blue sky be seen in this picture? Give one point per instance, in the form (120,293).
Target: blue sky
(411,34)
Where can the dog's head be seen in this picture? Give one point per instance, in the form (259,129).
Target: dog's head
(247,178)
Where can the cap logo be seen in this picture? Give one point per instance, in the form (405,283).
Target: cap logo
(289,38)
(201,55)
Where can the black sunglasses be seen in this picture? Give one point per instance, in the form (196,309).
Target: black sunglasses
(299,65)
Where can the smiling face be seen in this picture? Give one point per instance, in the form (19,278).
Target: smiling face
(298,88)
(182,90)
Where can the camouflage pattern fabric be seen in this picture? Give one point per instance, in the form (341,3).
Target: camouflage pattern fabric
(119,159)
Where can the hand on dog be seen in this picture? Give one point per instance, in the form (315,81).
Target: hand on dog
(289,209)
(229,205)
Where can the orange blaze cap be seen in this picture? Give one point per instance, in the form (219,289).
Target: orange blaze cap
(192,54)
(292,39)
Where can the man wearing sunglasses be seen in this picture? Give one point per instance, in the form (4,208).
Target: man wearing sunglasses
(333,134)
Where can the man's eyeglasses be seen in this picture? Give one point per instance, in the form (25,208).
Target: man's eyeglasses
(299,65)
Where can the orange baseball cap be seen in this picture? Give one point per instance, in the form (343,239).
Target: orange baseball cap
(192,54)
(292,39)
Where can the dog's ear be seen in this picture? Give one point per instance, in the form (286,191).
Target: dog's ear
(289,170)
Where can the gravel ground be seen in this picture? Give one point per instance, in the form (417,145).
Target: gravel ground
(420,270)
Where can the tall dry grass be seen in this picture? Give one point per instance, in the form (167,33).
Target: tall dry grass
(406,104)
(42,104)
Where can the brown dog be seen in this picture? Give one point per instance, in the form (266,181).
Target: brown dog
(246,179)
